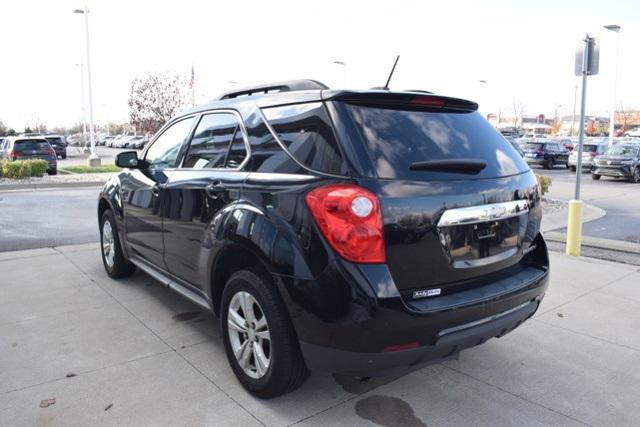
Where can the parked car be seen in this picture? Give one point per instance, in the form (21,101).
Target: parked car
(353,232)
(516,146)
(137,142)
(635,132)
(26,148)
(620,161)
(589,153)
(546,153)
(59,145)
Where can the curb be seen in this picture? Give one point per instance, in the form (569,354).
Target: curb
(596,242)
(50,185)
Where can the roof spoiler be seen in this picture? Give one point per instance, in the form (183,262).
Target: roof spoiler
(415,100)
(288,86)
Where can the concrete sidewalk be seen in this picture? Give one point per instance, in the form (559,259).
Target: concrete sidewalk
(133,353)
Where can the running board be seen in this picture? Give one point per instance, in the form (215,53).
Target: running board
(171,284)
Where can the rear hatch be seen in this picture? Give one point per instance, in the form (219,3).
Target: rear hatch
(32,149)
(458,201)
(534,150)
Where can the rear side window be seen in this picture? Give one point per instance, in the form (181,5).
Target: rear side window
(30,144)
(306,131)
(394,139)
(216,143)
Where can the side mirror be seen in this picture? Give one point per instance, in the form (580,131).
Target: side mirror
(127,159)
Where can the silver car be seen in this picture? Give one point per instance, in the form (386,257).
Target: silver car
(590,151)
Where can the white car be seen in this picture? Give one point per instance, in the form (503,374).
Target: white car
(633,133)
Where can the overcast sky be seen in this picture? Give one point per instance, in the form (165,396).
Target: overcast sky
(523,50)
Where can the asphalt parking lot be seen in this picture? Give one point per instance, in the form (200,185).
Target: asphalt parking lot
(131,352)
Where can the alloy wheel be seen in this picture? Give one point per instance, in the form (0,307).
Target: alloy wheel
(249,335)
(108,244)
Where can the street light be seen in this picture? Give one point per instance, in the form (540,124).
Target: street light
(84,114)
(612,119)
(344,72)
(94,160)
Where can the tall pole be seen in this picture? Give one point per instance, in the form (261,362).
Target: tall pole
(84,113)
(94,160)
(583,108)
(573,117)
(612,119)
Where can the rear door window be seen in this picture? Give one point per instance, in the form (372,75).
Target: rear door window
(394,139)
(306,131)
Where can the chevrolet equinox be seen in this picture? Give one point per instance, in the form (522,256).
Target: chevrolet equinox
(354,232)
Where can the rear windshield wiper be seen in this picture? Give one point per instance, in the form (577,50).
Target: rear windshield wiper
(450,165)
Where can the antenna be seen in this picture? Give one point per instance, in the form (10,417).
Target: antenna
(386,86)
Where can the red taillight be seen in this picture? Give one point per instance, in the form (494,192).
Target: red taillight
(427,101)
(349,218)
(14,154)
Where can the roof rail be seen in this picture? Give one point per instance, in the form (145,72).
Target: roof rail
(288,86)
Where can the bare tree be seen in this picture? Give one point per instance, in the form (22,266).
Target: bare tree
(625,117)
(518,113)
(155,98)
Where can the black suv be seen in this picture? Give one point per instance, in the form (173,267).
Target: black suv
(355,232)
(546,153)
(620,161)
(59,145)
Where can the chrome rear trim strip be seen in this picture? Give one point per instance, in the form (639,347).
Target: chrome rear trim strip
(483,213)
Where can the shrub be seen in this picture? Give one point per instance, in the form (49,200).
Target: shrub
(23,168)
(545,183)
(37,167)
(1,168)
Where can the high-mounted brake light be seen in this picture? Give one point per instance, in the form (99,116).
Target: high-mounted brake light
(349,217)
(427,101)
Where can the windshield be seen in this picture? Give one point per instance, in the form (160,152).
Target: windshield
(395,139)
(619,150)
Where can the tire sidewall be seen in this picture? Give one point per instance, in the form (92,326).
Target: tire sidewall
(119,264)
(253,284)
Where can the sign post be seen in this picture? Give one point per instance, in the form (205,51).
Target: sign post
(587,59)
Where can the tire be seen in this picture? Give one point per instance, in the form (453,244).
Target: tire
(595,177)
(548,164)
(635,177)
(573,168)
(115,264)
(52,172)
(64,156)
(285,369)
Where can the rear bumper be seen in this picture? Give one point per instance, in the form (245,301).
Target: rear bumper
(585,163)
(351,318)
(448,345)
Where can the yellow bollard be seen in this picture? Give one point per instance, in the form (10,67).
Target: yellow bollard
(574,228)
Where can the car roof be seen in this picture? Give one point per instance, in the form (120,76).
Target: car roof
(291,92)
(29,138)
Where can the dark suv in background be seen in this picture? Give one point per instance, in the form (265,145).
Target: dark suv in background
(59,145)
(546,154)
(355,232)
(620,161)
(29,147)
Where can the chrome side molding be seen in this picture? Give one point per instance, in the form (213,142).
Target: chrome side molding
(483,213)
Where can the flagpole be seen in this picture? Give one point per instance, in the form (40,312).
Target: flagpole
(193,86)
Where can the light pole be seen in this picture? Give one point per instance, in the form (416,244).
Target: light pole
(344,71)
(93,160)
(612,119)
(84,114)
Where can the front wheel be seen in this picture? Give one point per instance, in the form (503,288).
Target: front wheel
(636,175)
(548,164)
(595,177)
(259,340)
(573,168)
(113,259)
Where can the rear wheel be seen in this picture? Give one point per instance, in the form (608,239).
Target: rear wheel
(261,346)
(595,177)
(52,172)
(113,258)
(548,164)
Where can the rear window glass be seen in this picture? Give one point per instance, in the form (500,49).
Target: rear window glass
(394,139)
(590,148)
(306,131)
(30,144)
(534,146)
